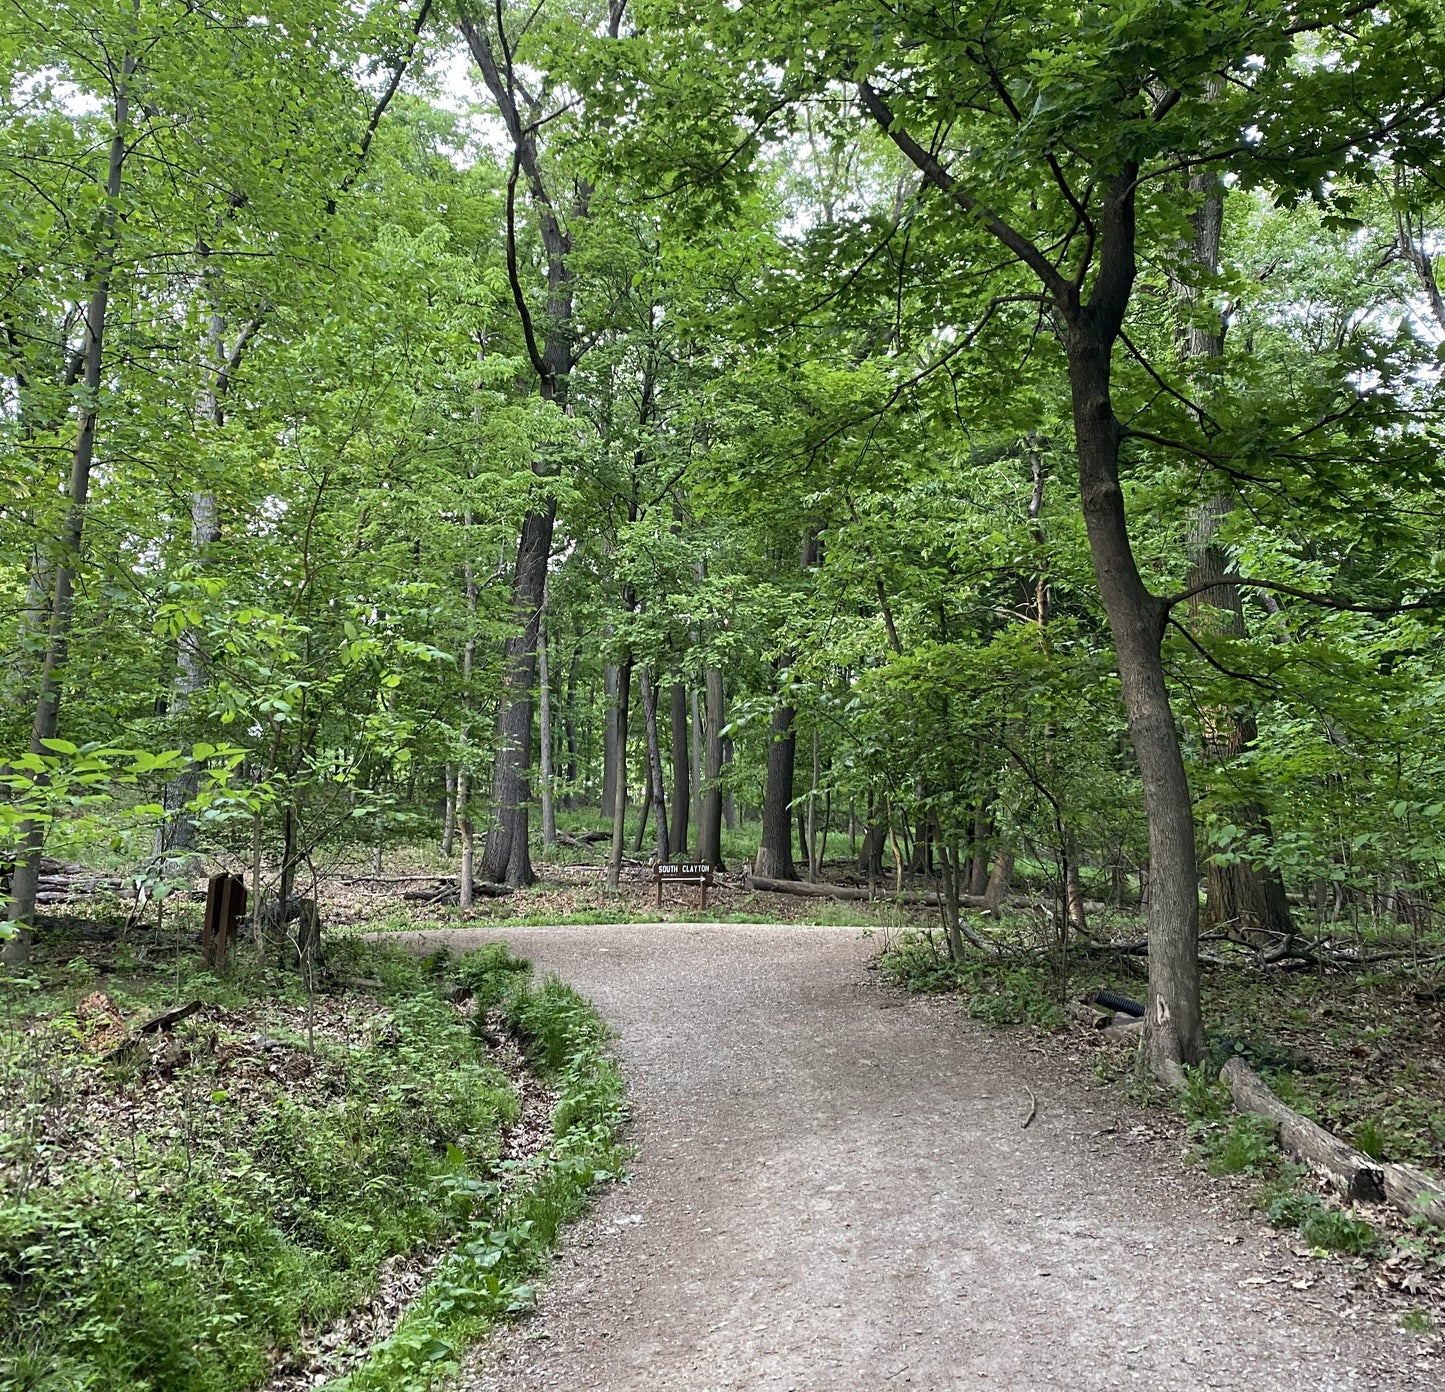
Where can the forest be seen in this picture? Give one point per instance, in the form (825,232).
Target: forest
(983,459)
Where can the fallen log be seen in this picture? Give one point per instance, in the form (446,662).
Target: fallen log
(812,889)
(452,893)
(582,838)
(1121,1028)
(1415,1193)
(168,1019)
(1352,1172)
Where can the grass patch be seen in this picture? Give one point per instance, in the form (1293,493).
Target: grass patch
(1324,1228)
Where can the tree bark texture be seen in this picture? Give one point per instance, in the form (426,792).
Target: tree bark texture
(681,771)
(507,856)
(1136,621)
(709,830)
(24,880)
(544,731)
(619,801)
(648,691)
(775,847)
(696,761)
(609,738)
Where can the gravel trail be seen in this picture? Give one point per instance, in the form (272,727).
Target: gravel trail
(834,1192)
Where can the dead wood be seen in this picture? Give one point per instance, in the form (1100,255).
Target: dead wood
(817,890)
(1352,1172)
(168,1019)
(451,893)
(1414,1192)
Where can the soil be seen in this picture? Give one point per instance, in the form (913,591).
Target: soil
(834,1189)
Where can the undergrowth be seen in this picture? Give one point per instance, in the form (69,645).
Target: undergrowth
(998,991)
(173,1228)
(511,1222)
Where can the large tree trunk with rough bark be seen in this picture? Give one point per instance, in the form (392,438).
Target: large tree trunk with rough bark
(681,771)
(544,731)
(709,828)
(775,848)
(609,738)
(507,856)
(1136,621)
(648,691)
(619,802)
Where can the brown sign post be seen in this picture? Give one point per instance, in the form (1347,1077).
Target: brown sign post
(691,872)
(225,908)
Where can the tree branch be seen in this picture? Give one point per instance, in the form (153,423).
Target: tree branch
(942,180)
(1323,601)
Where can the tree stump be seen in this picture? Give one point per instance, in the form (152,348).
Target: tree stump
(225,910)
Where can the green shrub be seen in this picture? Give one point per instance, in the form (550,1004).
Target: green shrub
(1244,1146)
(1319,1226)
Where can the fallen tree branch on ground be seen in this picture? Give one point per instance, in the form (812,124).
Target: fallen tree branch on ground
(1415,1193)
(1351,1171)
(450,892)
(813,889)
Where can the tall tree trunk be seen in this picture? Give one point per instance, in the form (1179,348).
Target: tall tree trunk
(681,779)
(696,761)
(619,801)
(449,812)
(1136,621)
(709,828)
(464,777)
(25,878)
(569,727)
(1000,877)
(178,832)
(507,857)
(609,738)
(469,842)
(1136,616)
(544,696)
(729,807)
(813,813)
(1243,898)
(775,847)
(982,831)
(654,761)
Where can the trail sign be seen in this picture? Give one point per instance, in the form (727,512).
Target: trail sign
(683,872)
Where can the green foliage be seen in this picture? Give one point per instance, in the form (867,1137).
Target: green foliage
(513,1220)
(997,992)
(1370,1138)
(177,1259)
(1321,1227)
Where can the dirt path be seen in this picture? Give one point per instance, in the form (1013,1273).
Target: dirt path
(834,1193)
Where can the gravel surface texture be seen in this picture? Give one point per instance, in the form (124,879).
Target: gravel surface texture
(834,1190)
